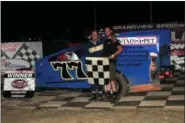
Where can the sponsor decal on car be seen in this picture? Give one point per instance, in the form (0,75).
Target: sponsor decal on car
(66,66)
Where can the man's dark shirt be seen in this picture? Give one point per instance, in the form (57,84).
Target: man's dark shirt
(98,49)
(110,48)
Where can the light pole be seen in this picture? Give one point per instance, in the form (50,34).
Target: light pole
(184,12)
(95,16)
(151,18)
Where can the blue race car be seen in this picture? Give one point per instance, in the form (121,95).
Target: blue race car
(66,69)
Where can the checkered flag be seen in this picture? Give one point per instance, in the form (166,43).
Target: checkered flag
(27,54)
(3,55)
(97,70)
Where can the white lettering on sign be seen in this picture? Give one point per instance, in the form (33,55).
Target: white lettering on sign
(21,75)
(175,25)
(177,46)
(149,26)
(133,27)
(174,36)
(138,40)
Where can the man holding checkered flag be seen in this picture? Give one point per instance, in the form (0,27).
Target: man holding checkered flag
(112,48)
(102,70)
(94,50)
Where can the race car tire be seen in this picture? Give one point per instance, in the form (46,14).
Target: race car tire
(121,85)
(122,82)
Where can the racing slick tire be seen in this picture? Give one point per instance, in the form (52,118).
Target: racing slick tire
(121,85)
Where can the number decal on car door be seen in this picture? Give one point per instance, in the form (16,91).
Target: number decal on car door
(65,66)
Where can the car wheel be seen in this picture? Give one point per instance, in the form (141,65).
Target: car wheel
(121,85)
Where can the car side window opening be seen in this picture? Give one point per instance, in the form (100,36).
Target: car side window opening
(69,61)
(66,56)
(73,55)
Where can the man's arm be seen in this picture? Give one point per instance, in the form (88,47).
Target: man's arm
(119,50)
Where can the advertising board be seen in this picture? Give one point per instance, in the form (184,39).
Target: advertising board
(177,54)
(140,61)
(177,34)
(19,83)
(14,64)
(17,55)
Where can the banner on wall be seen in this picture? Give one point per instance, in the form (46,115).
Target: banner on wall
(18,55)
(177,34)
(177,54)
(140,61)
(132,27)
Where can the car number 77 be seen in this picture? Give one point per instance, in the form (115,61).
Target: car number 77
(65,66)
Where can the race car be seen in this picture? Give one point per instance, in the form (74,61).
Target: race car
(66,69)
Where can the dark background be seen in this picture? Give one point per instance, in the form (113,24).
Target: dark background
(69,20)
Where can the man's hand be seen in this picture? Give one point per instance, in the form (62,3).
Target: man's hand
(111,57)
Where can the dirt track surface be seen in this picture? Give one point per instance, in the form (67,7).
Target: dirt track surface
(92,116)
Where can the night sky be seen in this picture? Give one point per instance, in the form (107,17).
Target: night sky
(73,18)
